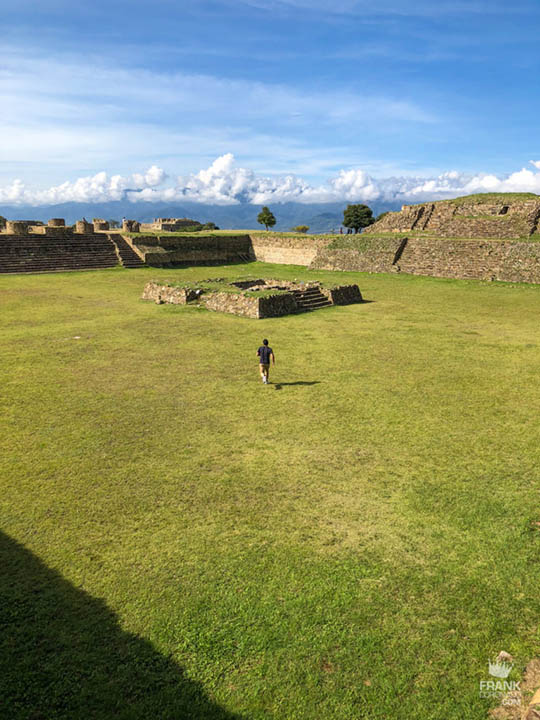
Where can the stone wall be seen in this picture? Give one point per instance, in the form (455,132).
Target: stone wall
(14,227)
(343,295)
(503,219)
(57,231)
(377,255)
(163,250)
(170,225)
(232,303)
(167,294)
(192,249)
(482,259)
(131,226)
(82,226)
(100,225)
(277,305)
(282,250)
(511,261)
(253,307)
(479,259)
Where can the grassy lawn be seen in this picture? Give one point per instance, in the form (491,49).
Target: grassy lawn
(180,541)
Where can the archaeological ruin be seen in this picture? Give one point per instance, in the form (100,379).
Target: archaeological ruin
(253,298)
(170,225)
(482,237)
(35,247)
(500,216)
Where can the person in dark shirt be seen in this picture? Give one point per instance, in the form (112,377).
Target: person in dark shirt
(265,354)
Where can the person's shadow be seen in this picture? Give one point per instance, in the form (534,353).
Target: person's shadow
(64,656)
(278,386)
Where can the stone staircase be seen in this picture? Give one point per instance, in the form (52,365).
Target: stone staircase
(27,254)
(126,254)
(311,299)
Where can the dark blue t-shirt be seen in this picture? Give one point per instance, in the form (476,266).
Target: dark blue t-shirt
(264,353)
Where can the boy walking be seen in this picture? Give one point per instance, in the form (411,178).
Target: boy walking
(264,354)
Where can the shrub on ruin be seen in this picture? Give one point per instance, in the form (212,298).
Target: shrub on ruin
(300,228)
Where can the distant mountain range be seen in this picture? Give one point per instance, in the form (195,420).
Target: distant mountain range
(321,217)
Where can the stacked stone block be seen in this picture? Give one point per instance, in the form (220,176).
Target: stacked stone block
(503,220)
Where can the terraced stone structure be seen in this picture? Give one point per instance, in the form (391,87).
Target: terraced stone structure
(490,215)
(493,237)
(27,247)
(254,298)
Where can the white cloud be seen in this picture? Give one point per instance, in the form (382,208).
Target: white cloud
(224,183)
(95,188)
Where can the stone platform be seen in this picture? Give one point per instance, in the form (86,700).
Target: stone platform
(254,298)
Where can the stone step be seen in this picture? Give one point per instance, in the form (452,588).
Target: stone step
(309,306)
(85,258)
(31,268)
(79,252)
(70,261)
(45,266)
(128,256)
(305,293)
(311,296)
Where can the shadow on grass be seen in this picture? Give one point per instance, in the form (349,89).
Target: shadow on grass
(64,655)
(278,386)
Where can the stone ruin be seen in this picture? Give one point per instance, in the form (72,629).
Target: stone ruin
(131,226)
(254,298)
(55,227)
(477,216)
(28,246)
(170,225)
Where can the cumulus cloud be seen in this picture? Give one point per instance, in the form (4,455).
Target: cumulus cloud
(95,188)
(223,183)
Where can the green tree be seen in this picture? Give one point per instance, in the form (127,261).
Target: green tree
(357,217)
(266,218)
(300,228)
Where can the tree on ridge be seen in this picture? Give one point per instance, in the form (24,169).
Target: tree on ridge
(357,217)
(266,218)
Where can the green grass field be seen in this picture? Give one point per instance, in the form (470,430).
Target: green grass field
(181,541)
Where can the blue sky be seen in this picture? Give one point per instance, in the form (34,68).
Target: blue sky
(232,99)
